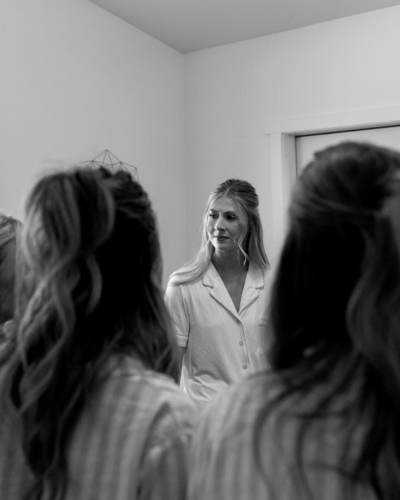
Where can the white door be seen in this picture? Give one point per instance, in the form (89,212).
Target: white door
(307,145)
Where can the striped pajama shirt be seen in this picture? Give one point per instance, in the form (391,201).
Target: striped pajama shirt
(223,463)
(130,442)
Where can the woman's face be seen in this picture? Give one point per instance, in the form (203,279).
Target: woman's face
(225,224)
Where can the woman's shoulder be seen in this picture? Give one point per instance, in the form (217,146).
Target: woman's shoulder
(264,275)
(130,383)
(267,273)
(253,394)
(137,420)
(179,281)
(245,445)
(222,446)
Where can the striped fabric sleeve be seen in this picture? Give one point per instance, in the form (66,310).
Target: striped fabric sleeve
(165,471)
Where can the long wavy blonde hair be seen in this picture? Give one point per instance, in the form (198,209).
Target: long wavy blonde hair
(91,247)
(250,242)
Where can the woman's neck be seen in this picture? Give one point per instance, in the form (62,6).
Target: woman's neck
(229,264)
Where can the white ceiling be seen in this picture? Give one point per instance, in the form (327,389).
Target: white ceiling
(189,25)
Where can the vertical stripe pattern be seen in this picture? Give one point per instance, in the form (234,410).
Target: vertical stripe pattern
(131,442)
(223,463)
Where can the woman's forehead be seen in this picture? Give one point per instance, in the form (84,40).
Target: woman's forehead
(224,204)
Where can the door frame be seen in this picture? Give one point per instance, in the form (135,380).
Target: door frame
(282,134)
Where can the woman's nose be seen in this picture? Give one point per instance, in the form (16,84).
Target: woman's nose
(219,224)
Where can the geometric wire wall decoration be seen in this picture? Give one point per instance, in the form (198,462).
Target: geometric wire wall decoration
(111,162)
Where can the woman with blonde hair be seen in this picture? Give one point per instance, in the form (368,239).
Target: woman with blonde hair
(324,422)
(90,408)
(218,300)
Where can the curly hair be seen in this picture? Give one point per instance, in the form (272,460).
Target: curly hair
(91,246)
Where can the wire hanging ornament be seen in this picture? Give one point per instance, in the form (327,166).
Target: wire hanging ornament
(109,161)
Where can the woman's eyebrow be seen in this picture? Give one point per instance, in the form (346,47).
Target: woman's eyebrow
(228,212)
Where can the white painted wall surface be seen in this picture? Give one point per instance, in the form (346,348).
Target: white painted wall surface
(75,81)
(232,91)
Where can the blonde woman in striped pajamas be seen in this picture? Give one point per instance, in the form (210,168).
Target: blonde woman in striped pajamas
(90,409)
(324,423)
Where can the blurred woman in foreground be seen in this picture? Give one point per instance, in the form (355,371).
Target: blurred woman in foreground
(89,404)
(324,424)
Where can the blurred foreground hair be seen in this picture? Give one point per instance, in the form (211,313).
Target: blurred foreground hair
(93,291)
(335,309)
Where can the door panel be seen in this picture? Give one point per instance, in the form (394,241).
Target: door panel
(307,145)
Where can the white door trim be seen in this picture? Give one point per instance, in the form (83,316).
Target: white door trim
(283,151)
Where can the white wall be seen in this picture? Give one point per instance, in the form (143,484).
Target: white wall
(231,92)
(75,81)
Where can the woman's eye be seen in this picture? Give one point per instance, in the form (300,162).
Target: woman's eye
(213,216)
